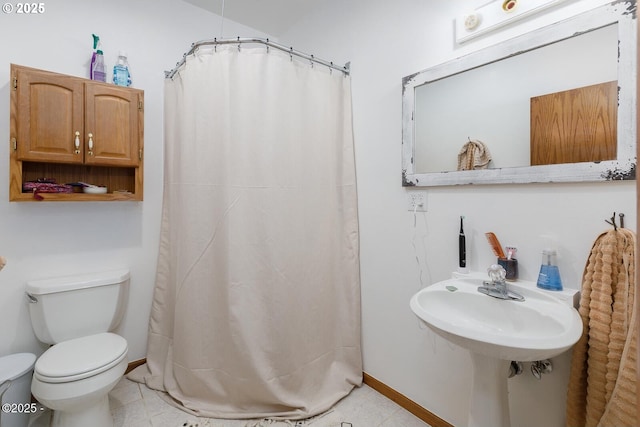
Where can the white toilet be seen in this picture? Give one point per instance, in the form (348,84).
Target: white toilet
(75,375)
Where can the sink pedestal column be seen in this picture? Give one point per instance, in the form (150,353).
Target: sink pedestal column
(489,398)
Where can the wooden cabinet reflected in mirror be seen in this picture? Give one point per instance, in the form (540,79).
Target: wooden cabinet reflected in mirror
(573,126)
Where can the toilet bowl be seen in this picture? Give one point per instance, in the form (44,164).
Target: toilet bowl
(85,362)
(73,379)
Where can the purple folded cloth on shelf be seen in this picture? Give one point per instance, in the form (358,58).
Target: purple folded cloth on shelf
(45,187)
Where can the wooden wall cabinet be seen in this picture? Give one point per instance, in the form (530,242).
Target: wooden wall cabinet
(75,130)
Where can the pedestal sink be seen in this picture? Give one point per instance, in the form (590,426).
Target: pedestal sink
(496,332)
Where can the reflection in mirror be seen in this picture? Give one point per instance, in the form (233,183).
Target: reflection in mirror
(576,125)
(560,98)
(491,103)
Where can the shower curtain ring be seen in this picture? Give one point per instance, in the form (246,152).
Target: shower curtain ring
(311,61)
(291,53)
(238,43)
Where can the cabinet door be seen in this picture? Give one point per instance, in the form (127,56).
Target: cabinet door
(112,125)
(50,112)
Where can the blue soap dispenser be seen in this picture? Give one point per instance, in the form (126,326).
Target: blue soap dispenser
(549,277)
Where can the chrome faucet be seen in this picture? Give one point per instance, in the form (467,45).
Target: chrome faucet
(497,287)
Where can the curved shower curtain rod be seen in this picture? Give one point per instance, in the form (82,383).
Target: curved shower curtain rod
(267,42)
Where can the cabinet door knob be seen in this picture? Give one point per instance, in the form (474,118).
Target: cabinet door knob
(76,143)
(90,144)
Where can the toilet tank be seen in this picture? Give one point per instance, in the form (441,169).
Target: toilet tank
(64,308)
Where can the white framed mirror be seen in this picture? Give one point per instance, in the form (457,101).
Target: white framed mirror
(495,95)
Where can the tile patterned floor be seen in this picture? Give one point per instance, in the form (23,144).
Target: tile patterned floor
(134,405)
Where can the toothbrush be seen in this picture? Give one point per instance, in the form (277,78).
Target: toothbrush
(462,247)
(511,252)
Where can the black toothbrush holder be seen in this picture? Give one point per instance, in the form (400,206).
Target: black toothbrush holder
(510,266)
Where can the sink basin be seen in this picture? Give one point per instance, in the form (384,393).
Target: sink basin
(495,332)
(540,327)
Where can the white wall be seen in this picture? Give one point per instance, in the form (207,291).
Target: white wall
(492,103)
(386,41)
(50,239)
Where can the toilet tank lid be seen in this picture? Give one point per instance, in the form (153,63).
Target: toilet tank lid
(80,281)
(15,365)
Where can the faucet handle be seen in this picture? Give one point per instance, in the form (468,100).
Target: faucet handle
(497,273)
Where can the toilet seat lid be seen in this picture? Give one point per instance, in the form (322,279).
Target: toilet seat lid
(15,365)
(80,358)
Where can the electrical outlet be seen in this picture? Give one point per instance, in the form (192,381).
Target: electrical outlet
(417,200)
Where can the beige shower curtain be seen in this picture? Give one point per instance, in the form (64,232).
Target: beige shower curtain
(256,310)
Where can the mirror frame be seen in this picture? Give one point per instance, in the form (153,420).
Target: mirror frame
(622,13)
